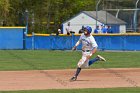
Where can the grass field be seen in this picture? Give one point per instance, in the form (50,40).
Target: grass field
(45,60)
(94,90)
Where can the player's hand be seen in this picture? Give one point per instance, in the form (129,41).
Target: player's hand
(88,57)
(74,48)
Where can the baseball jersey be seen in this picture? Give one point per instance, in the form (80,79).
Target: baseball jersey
(88,43)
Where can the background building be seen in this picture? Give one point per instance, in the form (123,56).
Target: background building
(93,18)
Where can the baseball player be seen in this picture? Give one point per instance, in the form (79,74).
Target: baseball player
(89,47)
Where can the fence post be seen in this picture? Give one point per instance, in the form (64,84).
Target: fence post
(72,43)
(33,41)
(124,42)
(24,39)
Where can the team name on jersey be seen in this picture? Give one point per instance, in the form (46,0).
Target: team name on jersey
(86,41)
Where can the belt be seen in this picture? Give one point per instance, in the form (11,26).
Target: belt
(86,50)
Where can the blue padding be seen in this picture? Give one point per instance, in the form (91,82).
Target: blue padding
(110,42)
(11,38)
(67,42)
(132,43)
(42,42)
(114,43)
(28,42)
(58,42)
(118,42)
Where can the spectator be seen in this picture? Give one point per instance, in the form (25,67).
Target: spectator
(81,30)
(103,29)
(58,32)
(68,29)
(59,29)
(96,29)
(109,30)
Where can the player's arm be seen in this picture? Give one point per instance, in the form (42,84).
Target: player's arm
(78,42)
(74,48)
(92,52)
(94,45)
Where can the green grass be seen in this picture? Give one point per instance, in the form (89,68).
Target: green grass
(44,59)
(94,90)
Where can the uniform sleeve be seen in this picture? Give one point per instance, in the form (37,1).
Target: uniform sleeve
(93,42)
(79,41)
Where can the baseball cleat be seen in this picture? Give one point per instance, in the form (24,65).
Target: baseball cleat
(73,79)
(101,58)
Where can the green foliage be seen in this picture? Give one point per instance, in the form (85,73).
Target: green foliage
(41,12)
(4,10)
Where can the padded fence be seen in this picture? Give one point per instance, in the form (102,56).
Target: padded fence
(11,37)
(105,42)
(50,42)
(118,42)
(14,38)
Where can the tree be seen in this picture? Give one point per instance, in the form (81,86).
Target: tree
(4,11)
(42,12)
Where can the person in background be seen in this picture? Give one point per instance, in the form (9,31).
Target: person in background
(109,30)
(96,29)
(103,29)
(81,30)
(58,32)
(59,29)
(68,29)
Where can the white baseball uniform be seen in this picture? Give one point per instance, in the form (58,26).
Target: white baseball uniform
(88,44)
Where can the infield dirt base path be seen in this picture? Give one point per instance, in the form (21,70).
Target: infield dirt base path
(59,79)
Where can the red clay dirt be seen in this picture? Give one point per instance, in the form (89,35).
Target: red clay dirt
(59,79)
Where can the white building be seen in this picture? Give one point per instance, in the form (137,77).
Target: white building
(89,18)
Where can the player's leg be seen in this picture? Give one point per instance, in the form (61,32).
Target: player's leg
(98,58)
(76,74)
(80,65)
(93,61)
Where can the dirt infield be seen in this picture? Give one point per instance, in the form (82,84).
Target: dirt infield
(59,79)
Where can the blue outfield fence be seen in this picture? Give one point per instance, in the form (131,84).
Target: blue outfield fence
(105,42)
(49,42)
(118,42)
(12,37)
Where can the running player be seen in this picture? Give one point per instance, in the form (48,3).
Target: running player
(89,47)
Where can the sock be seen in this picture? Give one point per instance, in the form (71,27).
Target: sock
(93,60)
(77,72)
